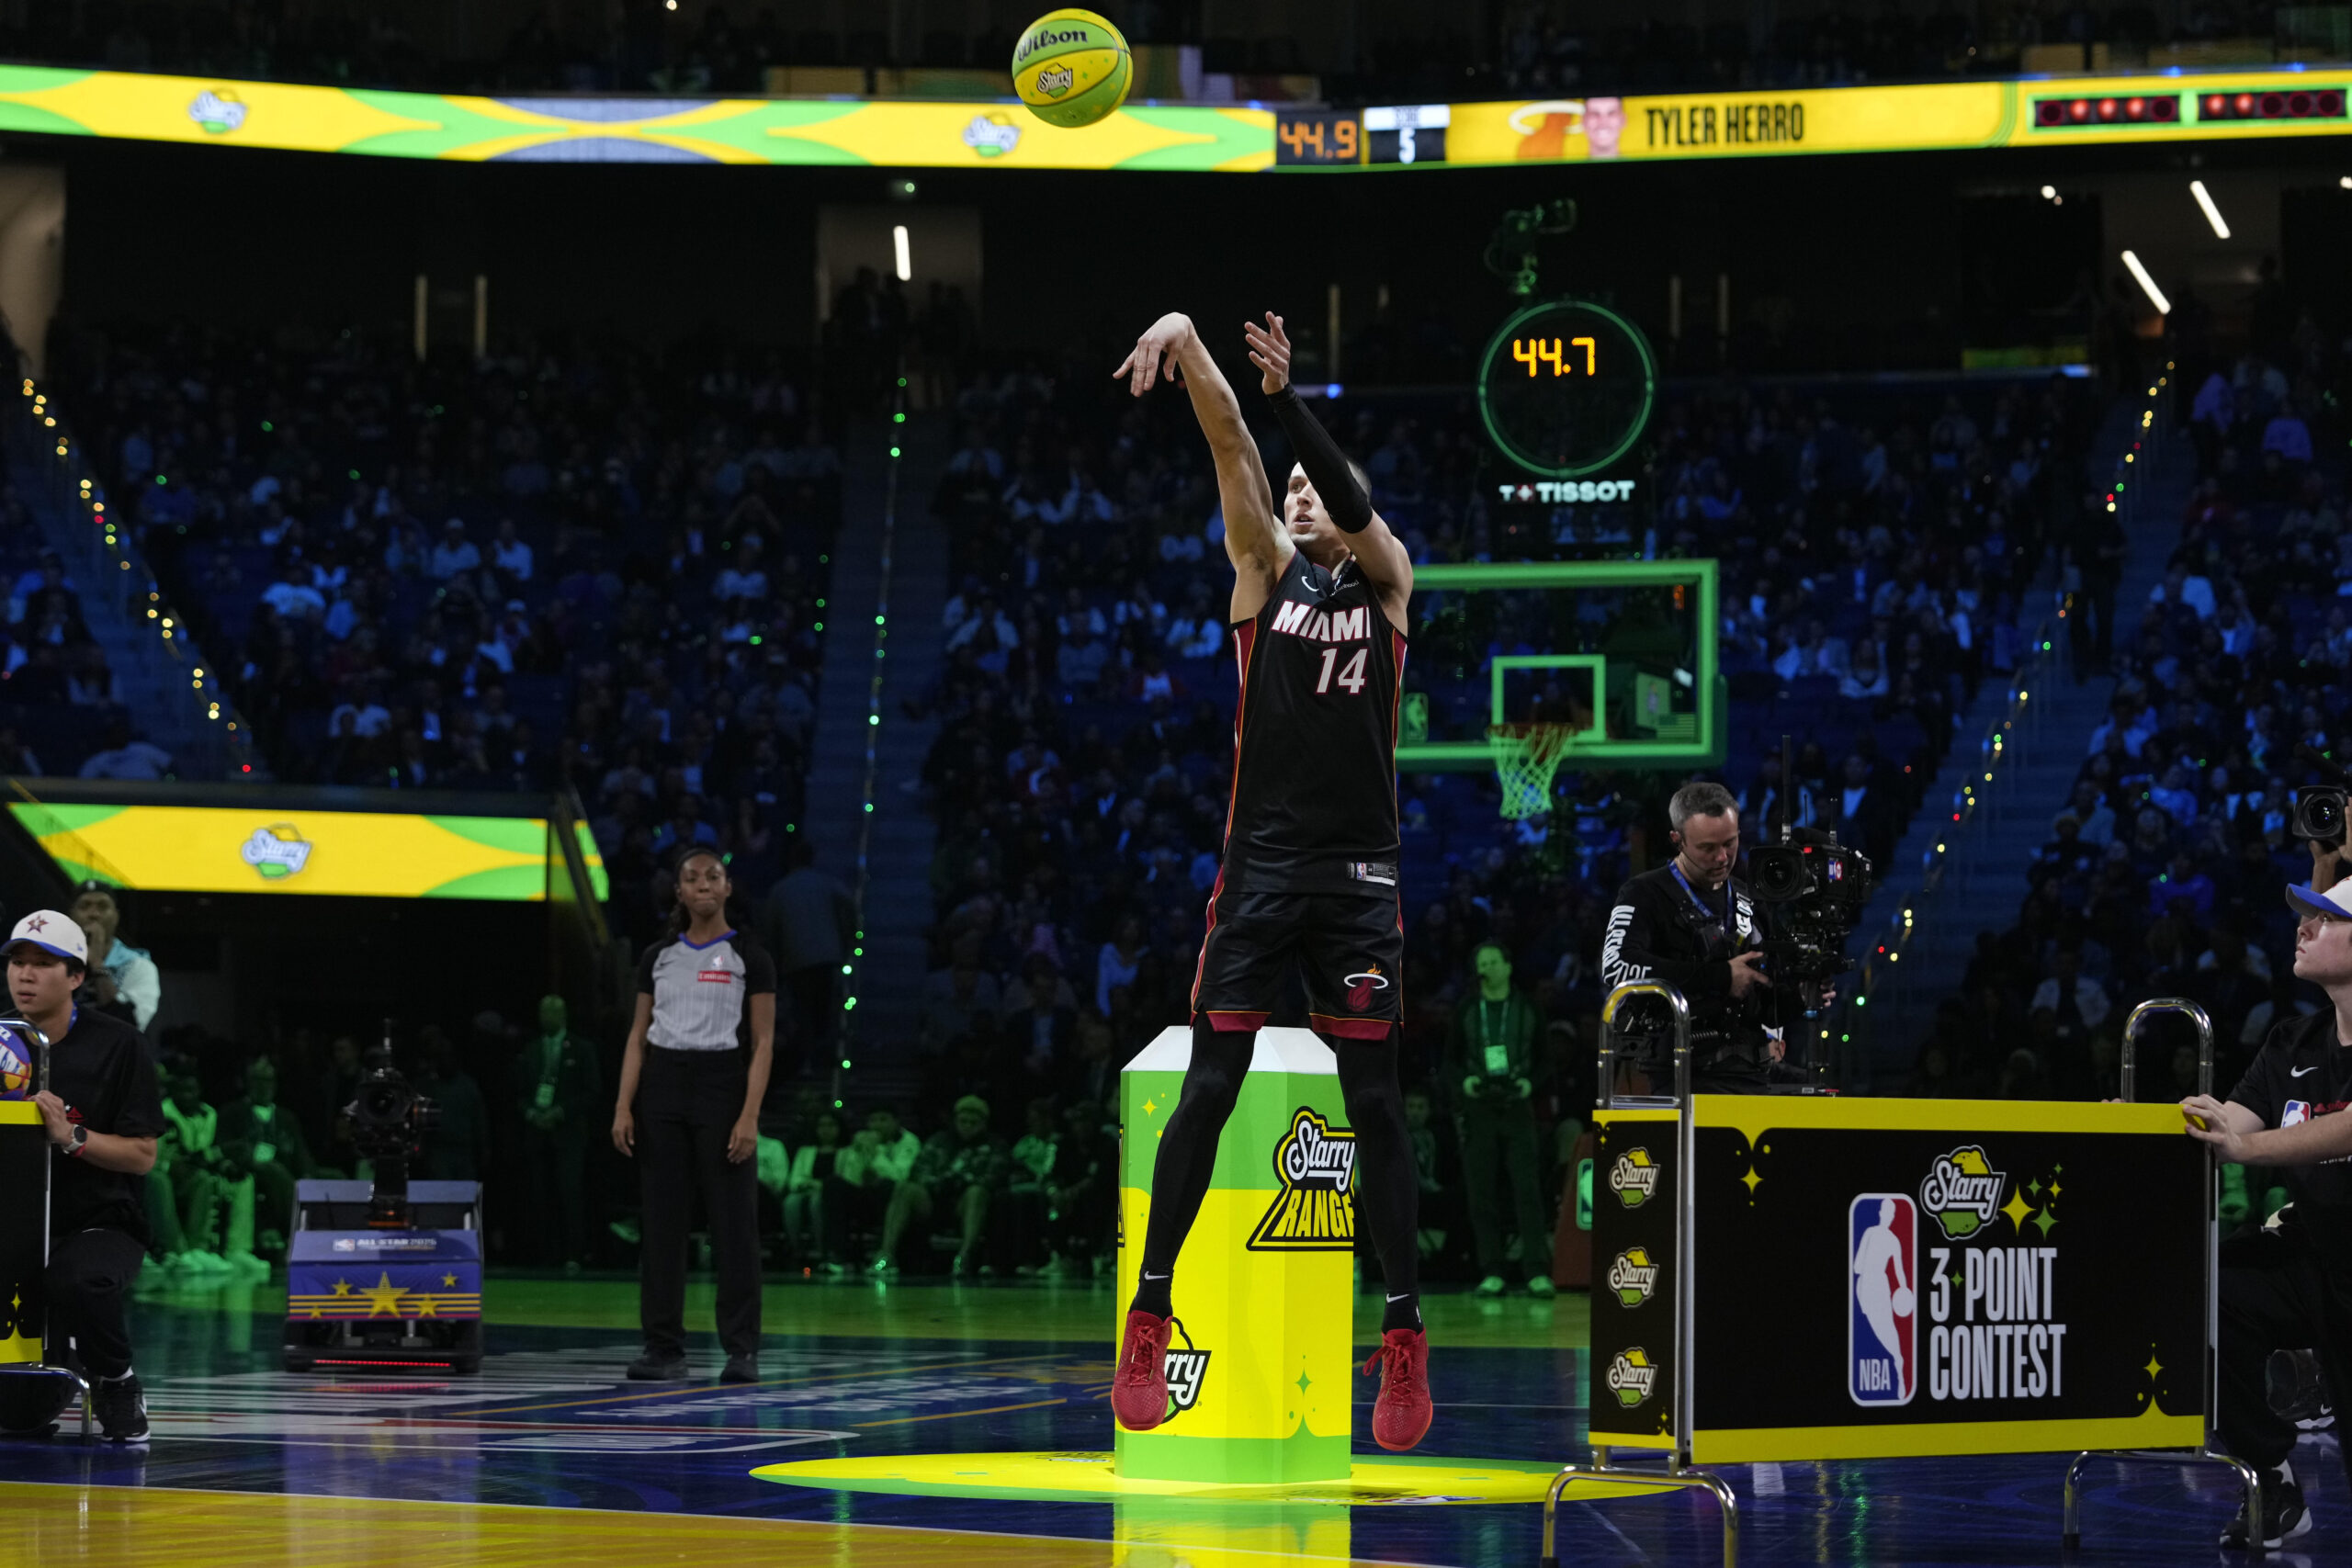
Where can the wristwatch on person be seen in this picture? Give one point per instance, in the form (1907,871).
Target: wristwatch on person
(77,1144)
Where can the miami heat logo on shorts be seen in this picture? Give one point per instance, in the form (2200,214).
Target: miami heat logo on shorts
(1362,984)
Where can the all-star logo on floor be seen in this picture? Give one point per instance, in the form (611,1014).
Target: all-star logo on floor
(1187,1369)
(1314,1211)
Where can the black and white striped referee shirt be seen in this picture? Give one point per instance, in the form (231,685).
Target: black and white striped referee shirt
(702,995)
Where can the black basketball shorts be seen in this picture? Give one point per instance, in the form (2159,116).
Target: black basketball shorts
(1349,947)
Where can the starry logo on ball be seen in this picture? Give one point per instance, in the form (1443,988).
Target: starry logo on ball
(1633,1377)
(1633,1178)
(992,135)
(218,110)
(1054,80)
(277,851)
(1962,1192)
(1632,1276)
(1315,1209)
(1186,1370)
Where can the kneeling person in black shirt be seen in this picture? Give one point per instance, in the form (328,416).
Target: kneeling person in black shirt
(103,1114)
(2289,1285)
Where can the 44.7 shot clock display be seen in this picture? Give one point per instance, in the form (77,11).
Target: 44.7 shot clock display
(1566,388)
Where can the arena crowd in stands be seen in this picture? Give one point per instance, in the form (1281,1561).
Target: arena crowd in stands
(2163,874)
(576,568)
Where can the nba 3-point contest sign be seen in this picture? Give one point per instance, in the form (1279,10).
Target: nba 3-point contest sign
(1883,1277)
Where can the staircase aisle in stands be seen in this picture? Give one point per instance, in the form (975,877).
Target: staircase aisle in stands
(899,835)
(149,688)
(1985,881)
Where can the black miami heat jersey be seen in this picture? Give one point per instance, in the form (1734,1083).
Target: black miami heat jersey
(1314,739)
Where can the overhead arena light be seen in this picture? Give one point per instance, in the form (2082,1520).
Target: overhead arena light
(2212,213)
(2147,284)
(903,253)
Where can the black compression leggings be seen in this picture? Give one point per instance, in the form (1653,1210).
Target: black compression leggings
(1387,1196)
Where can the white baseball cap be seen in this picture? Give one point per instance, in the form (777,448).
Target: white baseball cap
(51,933)
(2328,903)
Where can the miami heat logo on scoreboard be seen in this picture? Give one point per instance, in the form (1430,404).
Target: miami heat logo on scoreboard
(1883,1299)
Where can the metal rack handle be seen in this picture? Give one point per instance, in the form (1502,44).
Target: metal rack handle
(1677,1005)
(2150,1008)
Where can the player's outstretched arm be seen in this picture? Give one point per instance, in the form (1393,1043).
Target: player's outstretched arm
(1381,556)
(1254,539)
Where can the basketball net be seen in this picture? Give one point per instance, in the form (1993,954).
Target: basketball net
(1526,756)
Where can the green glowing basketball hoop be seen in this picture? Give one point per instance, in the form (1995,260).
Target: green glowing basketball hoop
(1526,756)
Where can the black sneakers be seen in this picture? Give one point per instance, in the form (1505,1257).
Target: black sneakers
(650,1368)
(740,1368)
(122,1408)
(2298,1391)
(2283,1515)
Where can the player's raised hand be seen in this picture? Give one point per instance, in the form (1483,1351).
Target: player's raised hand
(1269,352)
(1160,342)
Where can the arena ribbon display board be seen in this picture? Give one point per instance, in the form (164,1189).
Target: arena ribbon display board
(1877,1279)
(281,850)
(1000,133)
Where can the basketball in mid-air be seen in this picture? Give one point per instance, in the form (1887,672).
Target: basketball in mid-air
(16,1066)
(1904,1301)
(1071,67)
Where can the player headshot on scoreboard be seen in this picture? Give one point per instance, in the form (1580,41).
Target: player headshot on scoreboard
(2283,1284)
(103,1112)
(1604,127)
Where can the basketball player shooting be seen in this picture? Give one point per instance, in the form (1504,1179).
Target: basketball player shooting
(1309,872)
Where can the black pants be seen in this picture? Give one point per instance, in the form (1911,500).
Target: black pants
(686,1103)
(89,1279)
(2276,1295)
(1500,1140)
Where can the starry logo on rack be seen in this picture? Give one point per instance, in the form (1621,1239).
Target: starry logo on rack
(1633,1178)
(1315,1209)
(1633,1377)
(1632,1276)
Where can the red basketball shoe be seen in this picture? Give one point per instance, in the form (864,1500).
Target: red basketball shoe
(1140,1387)
(1400,1418)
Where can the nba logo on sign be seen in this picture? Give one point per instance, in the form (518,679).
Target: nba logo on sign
(1882,1302)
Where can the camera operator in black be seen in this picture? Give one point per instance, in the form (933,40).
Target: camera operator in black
(1693,924)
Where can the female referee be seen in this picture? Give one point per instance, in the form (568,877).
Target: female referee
(691,1080)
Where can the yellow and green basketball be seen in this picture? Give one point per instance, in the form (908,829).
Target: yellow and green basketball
(1071,67)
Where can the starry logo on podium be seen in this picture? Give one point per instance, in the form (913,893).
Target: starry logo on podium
(1313,1210)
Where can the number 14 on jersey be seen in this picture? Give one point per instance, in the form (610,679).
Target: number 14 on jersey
(1351,677)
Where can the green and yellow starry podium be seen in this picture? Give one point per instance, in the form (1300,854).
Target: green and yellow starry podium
(1258,1378)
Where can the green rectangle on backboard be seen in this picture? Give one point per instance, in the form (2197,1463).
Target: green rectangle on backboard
(1693,739)
(1259,1379)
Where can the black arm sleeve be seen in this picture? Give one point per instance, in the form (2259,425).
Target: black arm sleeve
(1326,466)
